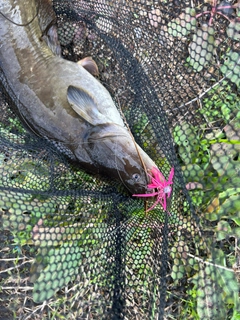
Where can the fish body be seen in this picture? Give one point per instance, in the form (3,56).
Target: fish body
(62,101)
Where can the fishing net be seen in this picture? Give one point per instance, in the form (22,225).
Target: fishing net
(79,246)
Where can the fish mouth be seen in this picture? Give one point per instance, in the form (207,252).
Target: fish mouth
(149,176)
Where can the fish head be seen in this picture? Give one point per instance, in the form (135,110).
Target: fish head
(113,150)
(108,145)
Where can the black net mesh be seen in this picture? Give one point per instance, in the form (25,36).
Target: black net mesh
(76,245)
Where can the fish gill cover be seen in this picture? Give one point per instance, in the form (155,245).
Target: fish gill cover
(76,245)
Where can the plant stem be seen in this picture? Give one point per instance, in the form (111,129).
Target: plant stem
(214,11)
(209,263)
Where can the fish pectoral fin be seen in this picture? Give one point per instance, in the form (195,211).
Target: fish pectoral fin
(84,105)
(109,131)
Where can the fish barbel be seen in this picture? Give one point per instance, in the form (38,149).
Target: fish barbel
(63,102)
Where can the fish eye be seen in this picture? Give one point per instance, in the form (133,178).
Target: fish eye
(136,177)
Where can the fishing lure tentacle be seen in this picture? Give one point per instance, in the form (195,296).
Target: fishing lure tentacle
(163,186)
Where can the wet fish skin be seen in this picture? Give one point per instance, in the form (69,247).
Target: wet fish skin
(62,101)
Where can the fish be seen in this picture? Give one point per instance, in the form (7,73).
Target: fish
(61,101)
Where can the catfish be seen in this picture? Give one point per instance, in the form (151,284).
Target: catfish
(61,101)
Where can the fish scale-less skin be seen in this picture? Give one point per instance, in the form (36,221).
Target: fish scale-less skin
(41,80)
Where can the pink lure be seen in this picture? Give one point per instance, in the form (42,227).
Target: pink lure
(163,187)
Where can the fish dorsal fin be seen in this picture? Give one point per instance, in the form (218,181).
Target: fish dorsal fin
(90,65)
(84,105)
